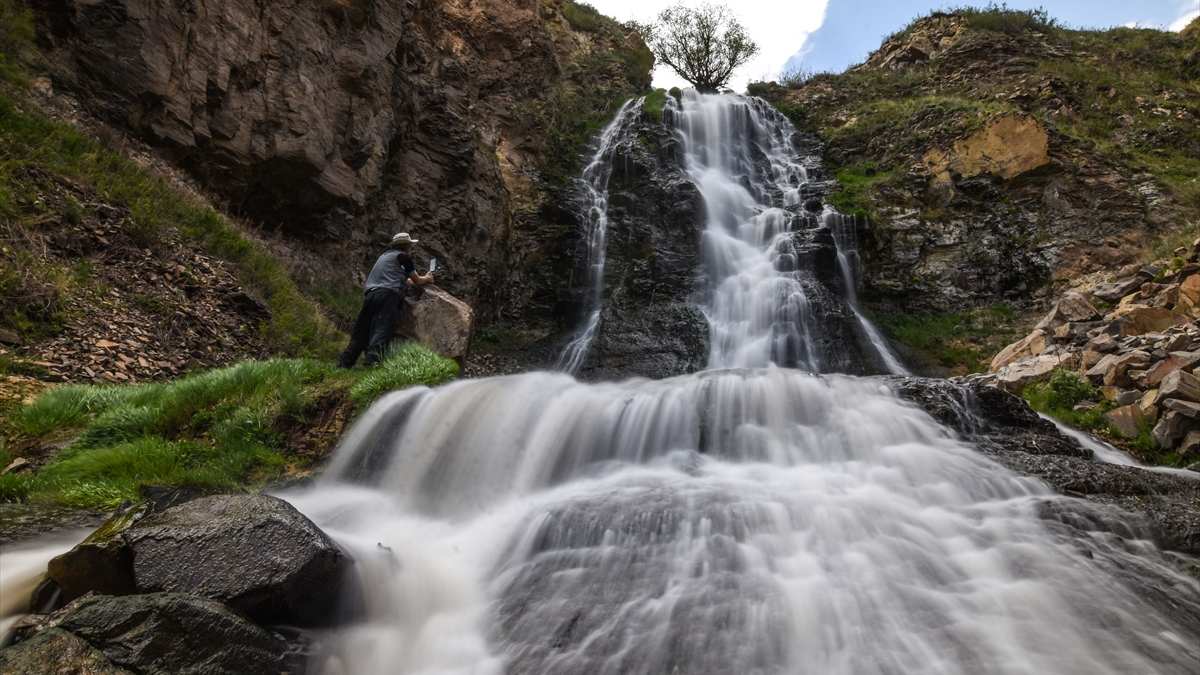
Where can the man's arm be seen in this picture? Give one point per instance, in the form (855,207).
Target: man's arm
(419,280)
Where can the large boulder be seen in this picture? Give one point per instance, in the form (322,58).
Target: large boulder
(255,553)
(56,651)
(1017,375)
(152,633)
(439,321)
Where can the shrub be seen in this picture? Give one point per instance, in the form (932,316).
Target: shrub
(1058,396)
(584,17)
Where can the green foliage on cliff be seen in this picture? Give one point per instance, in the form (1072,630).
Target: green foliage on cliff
(584,17)
(854,187)
(16,38)
(654,104)
(954,342)
(1058,396)
(30,141)
(224,428)
(995,17)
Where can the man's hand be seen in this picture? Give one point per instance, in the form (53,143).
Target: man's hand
(422,280)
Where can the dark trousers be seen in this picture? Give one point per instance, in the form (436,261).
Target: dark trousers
(374,327)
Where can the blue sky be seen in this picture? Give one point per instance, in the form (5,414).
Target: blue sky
(833,34)
(852,28)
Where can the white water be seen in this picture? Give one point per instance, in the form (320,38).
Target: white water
(848,262)
(595,215)
(1110,454)
(731,521)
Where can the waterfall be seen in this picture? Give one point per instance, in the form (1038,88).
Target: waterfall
(765,295)
(761,520)
(846,238)
(593,213)
(749,518)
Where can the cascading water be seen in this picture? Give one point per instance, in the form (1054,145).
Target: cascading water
(755,519)
(739,520)
(845,237)
(594,214)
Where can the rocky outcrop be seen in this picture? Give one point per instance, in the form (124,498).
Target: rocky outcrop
(338,123)
(255,553)
(992,166)
(153,633)
(651,324)
(1007,147)
(439,321)
(1143,354)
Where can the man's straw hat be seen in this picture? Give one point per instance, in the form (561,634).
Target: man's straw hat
(403,238)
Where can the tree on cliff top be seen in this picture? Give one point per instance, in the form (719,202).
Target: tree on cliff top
(704,45)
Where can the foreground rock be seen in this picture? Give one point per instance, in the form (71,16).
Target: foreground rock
(255,553)
(153,633)
(439,321)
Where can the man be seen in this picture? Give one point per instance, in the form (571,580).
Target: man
(384,293)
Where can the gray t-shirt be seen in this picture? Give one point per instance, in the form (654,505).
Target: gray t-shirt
(392,270)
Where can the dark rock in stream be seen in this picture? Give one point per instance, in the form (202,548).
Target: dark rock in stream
(255,553)
(151,633)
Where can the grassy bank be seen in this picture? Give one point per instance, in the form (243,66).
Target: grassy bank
(228,428)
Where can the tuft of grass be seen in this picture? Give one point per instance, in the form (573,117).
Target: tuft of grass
(1058,396)
(994,17)
(855,185)
(407,366)
(216,429)
(960,342)
(584,17)
(654,103)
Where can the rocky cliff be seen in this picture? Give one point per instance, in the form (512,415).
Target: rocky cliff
(999,157)
(336,123)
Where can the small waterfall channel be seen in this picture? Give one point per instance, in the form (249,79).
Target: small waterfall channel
(748,518)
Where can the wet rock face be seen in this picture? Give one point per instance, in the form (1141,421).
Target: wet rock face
(153,633)
(255,553)
(651,324)
(340,123)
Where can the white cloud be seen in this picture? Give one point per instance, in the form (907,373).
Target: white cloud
(1183,21)
(779,28)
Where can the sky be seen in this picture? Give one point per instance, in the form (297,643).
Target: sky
(820,35)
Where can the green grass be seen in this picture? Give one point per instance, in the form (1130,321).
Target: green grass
(855,184)
(16,39)
(961,342)
(994,17)
(653,106)
(409,365)
(223,428)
